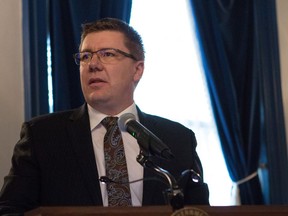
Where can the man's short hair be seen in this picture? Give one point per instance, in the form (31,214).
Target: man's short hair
(133,40)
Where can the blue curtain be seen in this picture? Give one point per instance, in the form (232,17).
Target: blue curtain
(238,40)
(61,20)
(35,58)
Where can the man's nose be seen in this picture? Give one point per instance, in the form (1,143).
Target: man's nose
(95,58)
(95,64)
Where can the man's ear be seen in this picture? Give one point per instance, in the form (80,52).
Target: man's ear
(139,70)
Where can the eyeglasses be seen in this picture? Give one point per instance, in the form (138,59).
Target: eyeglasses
(105,56)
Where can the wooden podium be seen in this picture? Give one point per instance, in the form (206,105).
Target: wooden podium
(259,210)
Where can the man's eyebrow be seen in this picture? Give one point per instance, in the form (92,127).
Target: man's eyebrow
(90,50)
(86,50)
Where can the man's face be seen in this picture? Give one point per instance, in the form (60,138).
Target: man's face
(109,88)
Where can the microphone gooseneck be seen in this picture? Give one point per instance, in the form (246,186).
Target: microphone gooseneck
(150,144)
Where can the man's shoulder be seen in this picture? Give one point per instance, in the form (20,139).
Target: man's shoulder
(162,122)
(59,116)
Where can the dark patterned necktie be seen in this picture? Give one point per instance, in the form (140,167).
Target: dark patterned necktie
(115,164)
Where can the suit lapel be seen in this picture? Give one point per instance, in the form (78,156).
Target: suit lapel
(151,193)
(80,132)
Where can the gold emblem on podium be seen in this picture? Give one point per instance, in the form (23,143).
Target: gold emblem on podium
(189,211)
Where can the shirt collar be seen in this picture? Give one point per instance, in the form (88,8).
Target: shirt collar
(96,117)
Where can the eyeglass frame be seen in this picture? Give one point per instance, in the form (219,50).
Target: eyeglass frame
(76,59)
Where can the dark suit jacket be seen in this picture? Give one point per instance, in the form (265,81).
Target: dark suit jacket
(54,164)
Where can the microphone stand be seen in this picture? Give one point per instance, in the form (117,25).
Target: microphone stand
(174,194)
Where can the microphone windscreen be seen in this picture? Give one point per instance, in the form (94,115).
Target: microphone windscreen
(124,119)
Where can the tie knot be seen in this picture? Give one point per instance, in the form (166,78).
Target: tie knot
(109,122)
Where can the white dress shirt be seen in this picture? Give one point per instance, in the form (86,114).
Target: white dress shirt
(131,147)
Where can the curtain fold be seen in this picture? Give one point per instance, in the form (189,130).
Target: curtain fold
(35,58)
(65,22)
(274,136)
(238,64)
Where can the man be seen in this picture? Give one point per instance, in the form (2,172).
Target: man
(60,157)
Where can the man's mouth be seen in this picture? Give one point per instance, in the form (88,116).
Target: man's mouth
(93,81)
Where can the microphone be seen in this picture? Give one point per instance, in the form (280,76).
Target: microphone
(145,138)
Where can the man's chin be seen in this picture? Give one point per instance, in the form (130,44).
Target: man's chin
(97,100)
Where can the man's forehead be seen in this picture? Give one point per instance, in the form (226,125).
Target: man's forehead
(104,39)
